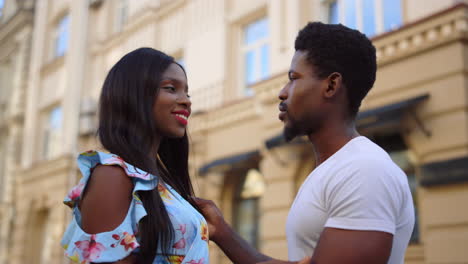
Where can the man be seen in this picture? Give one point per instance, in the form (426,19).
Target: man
(356,205)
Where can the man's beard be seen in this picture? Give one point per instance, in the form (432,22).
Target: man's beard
(291,131)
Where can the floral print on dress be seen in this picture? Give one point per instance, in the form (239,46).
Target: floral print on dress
(130,170)
(164,193)
(128,241)
(90,249)
(204,231)
(89,153)
(200,261)
(176,259)
(74,194)
(137,199)
(182,242)
(191,231)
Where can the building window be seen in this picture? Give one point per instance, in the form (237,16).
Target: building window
(246,207)
(2,3)
(121,15)
(62,34)
(404,158)
(181,61)
(368,16)
(3,172)
(256,53)
(52,133)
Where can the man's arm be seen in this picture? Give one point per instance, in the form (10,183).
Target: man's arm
(352,246)
(236,248)
(340,246)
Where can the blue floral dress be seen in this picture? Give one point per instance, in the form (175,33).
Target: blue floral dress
(190,245)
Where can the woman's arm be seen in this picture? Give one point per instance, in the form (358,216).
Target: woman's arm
(106,201)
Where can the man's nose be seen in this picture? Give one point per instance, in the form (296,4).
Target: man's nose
(283,94)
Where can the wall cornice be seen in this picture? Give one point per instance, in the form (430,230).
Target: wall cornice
(445,27)
(53,65)
(442,28)
(226,115)
(140,20)
(46,168)
(21,18)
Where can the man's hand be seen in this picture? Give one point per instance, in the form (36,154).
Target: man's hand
(213,216)
(276,261)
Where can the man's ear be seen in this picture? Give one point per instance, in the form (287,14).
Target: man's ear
(334,84)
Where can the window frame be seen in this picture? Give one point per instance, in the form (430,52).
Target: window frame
(2,8)
(121,14)
(46,151)
(61,29)
(256,46)
(378,15)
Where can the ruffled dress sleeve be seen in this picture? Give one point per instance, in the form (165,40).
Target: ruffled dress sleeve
(114,245)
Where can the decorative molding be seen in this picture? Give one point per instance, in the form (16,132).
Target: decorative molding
(439,29)
(167,7)
(207,97)
(137,21)
(53,65)
(267,91)
(147,17)
(21,18)
(46,168)
(226,115)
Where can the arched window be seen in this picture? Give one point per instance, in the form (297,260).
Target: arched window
(246,206)
(37,230)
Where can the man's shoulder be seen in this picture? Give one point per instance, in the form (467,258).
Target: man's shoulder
(374,166)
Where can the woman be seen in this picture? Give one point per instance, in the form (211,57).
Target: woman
(133,204)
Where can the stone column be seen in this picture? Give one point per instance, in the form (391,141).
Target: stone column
(31,113)
(7,192)
(75,70)
(75,67)
(278,166)
(212,189)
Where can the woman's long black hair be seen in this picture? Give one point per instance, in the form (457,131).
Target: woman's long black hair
(127,128)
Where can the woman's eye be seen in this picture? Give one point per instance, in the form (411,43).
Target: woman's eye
(170,88)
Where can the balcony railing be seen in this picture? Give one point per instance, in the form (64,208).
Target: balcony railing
(438,29)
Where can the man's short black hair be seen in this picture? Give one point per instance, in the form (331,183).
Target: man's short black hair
(336,48)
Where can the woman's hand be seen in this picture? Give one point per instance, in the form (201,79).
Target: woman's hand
(213,216)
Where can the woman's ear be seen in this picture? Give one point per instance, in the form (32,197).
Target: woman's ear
(334,81)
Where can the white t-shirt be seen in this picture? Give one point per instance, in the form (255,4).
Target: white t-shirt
(357,188)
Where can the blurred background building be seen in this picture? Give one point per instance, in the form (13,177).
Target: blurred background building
(54,56)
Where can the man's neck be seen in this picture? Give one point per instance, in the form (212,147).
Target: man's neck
(330,139)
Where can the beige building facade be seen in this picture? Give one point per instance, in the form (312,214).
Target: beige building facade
(54,56)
